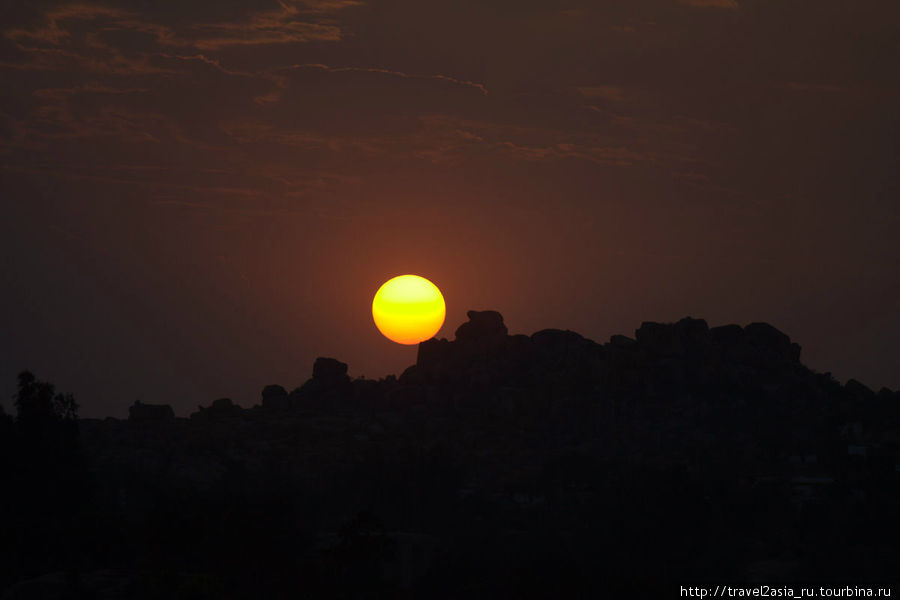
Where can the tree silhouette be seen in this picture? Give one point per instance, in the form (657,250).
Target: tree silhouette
(48,485)
(36,403)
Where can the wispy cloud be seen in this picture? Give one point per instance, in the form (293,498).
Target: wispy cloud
(611,93)
(437,77)
(711,3)
(76,31)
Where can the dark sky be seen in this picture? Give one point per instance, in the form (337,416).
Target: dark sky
(199,198)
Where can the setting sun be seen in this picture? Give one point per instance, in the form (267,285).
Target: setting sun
(408,309)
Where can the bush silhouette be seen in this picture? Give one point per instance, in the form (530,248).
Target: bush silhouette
(37,404)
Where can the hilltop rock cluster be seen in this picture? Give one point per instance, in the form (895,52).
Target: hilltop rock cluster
(503,465)
(484,368)
(484,360)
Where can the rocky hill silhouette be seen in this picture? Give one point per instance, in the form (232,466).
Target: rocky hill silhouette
(497,466)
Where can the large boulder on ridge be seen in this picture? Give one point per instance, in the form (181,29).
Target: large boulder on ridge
(776,343)
(481,324)
(150,412)
(330,372)
(329,379)
(274,396)
(673,339)
(223,408)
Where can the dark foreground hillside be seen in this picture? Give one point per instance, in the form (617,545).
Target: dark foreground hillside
(497,466)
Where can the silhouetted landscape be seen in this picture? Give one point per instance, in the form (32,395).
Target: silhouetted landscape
(496,466)
(222,373)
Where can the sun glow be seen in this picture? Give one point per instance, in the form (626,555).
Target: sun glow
(408,309)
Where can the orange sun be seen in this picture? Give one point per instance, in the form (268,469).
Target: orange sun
(408,309)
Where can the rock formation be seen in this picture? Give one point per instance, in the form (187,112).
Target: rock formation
(542,460)
(141,412)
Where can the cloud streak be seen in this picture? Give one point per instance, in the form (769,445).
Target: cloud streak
(453,80)
(730,4)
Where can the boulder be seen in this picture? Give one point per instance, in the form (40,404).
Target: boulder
(274,396)
(773,342)
(694,331)
(413,375)
(141,412)
(560,343)
(219,409)
(223,406)
(330,372)
(661,339)
(621,341)
(329,377)
(673,339)
(481,324)
(727,335)
(433,354)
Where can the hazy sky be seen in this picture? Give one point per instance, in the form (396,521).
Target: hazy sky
(199,198)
